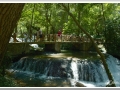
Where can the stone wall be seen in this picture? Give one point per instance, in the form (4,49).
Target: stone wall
(55,47)
(18,48)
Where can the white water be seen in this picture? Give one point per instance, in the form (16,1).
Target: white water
(114,67)
(75,72)
(96,72)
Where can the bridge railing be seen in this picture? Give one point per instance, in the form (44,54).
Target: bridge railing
(64,38)
(56,38)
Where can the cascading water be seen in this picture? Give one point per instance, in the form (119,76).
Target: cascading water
(73,69)
(114,66)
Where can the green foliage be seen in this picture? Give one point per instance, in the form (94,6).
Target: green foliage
(112,36)
(6,63)
(51,17)
(7,82)
(4,80)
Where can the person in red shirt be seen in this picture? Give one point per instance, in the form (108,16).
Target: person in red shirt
(59,34)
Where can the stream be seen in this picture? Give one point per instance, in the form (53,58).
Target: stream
(65,69)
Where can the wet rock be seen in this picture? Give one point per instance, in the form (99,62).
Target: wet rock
(78,84)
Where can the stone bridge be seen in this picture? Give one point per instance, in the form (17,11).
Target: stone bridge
(52,43)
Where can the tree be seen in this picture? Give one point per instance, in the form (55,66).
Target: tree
(97,49)
(10,14)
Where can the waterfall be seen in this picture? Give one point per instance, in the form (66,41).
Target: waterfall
(44,67)
(74,69)
(114,66)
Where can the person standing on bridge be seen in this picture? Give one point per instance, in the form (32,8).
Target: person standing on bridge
(37,35)
(59,35)
(14,36)
(40,34)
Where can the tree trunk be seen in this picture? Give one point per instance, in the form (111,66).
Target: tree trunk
(46,15)
(96,47)
(9,15)
(79,17)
